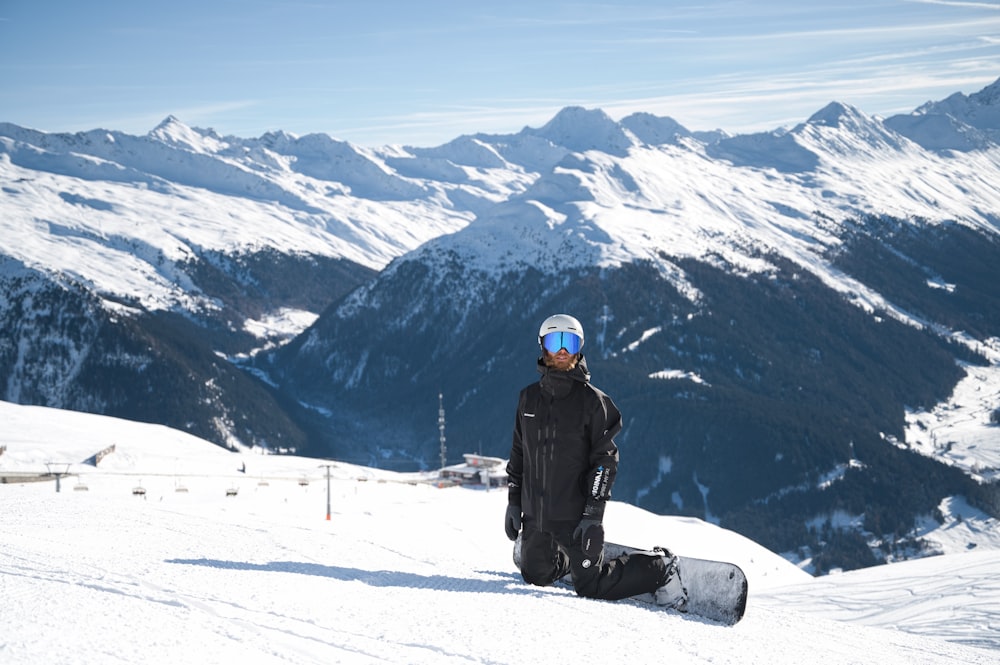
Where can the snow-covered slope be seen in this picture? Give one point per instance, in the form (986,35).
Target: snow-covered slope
(778,192)
(960,122)
(118,212)
(401,572)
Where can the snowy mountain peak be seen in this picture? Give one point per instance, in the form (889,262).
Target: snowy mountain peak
(581,129)
(959,122)
(844,131)
(980,109)
(988,96)
(654,130)
(961,105)
(466,150)
(168,122)
(278,139)
(174,132)
(838,114)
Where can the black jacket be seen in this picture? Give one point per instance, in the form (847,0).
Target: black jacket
(563,454)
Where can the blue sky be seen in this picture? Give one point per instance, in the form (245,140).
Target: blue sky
(422,73)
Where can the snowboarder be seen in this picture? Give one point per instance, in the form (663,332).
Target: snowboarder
(563,462)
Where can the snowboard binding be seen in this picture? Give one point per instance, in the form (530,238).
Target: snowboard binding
(671,593)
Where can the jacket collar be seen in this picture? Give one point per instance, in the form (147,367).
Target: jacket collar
(559,384)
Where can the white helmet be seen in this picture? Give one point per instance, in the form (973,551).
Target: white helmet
(561,323)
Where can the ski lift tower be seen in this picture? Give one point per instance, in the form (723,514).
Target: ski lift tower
(444,449)
(58,469)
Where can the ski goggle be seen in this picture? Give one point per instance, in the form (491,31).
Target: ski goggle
(554,341)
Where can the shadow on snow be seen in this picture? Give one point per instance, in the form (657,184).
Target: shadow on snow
(377,578)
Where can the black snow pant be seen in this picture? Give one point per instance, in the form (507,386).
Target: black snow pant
(546,556)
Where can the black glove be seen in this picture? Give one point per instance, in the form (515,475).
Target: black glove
(512,522)
(591,535)
(590,532)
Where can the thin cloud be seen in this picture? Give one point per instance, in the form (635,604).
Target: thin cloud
(955,3)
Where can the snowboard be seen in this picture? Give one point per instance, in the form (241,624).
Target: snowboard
(717,590)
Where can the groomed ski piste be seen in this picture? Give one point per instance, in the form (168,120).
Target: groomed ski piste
(173,550)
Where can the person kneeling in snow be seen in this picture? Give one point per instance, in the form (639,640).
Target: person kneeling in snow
(563,462)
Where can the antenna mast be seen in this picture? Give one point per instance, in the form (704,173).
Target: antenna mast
(444,448)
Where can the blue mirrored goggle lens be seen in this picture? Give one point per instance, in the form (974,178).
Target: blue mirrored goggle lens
(561,340)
